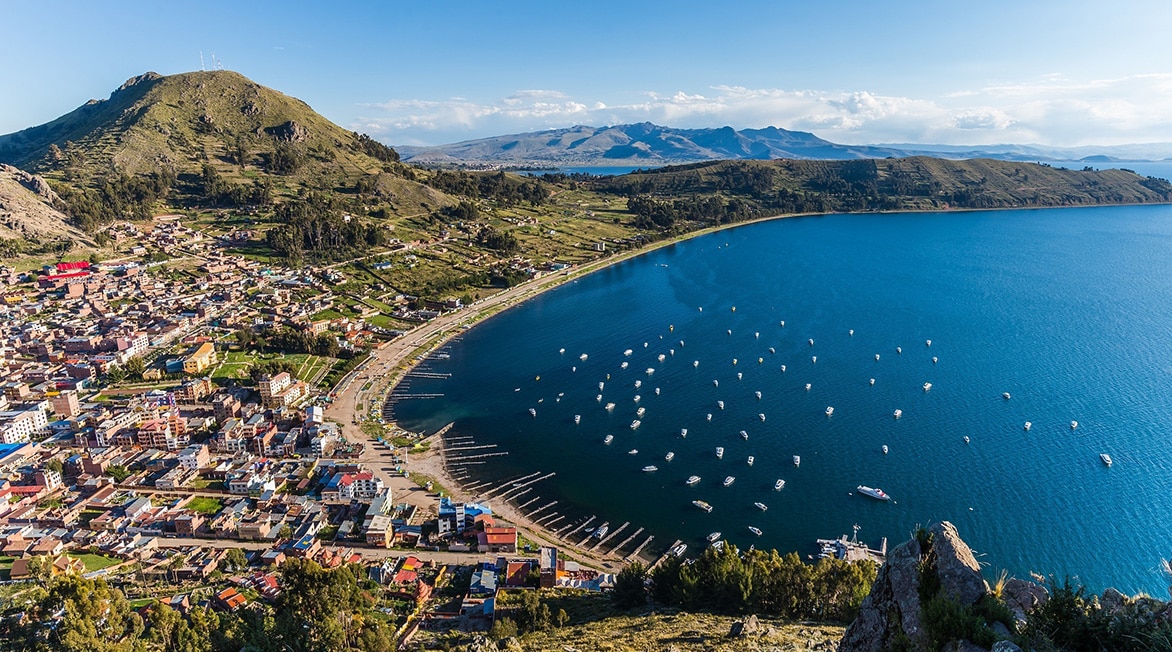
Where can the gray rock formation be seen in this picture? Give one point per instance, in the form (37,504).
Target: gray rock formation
(290,132)
(746,627)
(1022,596)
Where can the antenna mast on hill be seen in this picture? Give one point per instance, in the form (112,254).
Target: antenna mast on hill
(201,68)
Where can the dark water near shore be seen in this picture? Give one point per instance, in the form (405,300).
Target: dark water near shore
(1069,310)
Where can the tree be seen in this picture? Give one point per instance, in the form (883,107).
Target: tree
(562,618)
(115,374)
(118,472)
(55,465)
(235,559)
(135,367)
(630,588)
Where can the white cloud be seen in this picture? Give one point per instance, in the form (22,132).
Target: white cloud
(1052,110)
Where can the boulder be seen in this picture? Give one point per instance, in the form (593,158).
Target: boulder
(1112,600)
(957,568)
(481,644)
(963,646)
(1022,597)
(892,607)
(289,132)
(1005,646)
(744,627)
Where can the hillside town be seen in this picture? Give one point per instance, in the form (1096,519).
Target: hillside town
(144,439)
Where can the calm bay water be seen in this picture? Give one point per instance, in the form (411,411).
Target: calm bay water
(1068,310)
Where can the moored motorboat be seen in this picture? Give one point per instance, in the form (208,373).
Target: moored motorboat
(779,485)
(678,550)
(740,375)
(1106,458)
(684,433)
(637,397)
(601,531)
(720,452)
(702,505)
(577,419)
(750,460)
(1005,395)
(1073,425)
(640,412)
(966,439)
(884,449)
(873,492)
(583,356)
(713,537)
(695,363)
(635,424)
(670,456)
(720,404)
(709,416)
(624,365)
(761,506)
(650,468)
(744,435)
(808,386)
(610,407)
(898,413)
(758,395)
(1028,425)
(830,411)
(692,480)
(633,451)
(927,386)
(532,412)
(755,530)
(797,460)
(608,439)
(761,416)
(728,480)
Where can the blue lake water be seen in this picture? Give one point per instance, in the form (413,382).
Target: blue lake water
(1068,310)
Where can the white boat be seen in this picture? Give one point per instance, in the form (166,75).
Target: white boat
(757,335)
(650,370)
(830,411)
(633,451)
(934,359)
(562,351)
(624,365)
(744,435)
(966,439)
(898,413)
(637,397)
(884,449)
(608,439)
(1106,458)
(720,404)
(761,416)
(715,383)
(876,357)
(758,394)
(598,398)
(760,360)
(781,323)
(1073,425)
(755,530)
(797,460)
(808,386)
(761,506)
(692,480)
(1005,395)
(740,375)
(628,352)
(684,433)
(601,531)
(730,331)
(772,350)
(720,452)
(650,469)
(813,359)
(657,391)
(532,412)
(713,537)
(779,485)
(662,357)
(640,412)
(728,480)
(610,407)
(561,394)
(635,424)
(718,546)
(1028,425)
(702,505)
(811,341)
(851,332)
(695,363)
(783,369)
(601,385)
(678,551)
(750,460)
(638,384)
(710,416)
(669,457)
(899,349)
(734,362)
(583,356)
(927,386)
(577,419)
(928,342)
(872,492)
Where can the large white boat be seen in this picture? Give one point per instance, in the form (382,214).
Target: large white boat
(601,531)
(761,416)
(729,480)
(779,485)
(720,452)
(712,538)
(702,505)
(878,494)
(608,439)
(670,456)
(761,506)
(692,480)
(650,468)
(755,530)
(1106,458)
(635,424)
(650,370)
(678,550)
(628,352)
(583,356)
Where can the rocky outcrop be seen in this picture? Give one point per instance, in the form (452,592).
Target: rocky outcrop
(1022,597)
(289,132)
(32,182)
(956,567)
(746,627)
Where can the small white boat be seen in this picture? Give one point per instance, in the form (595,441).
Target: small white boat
(562,351)
(720,404)
(744,435)
(1106,458)
(760,360)
(598,398)
(650,468)
(1073,425)
(761,416)
(934,359)
(1005,395)
(715,383)
(638,384)
(830,411)
(750,460)
(898,413)
(662,357)
(740,375)
(710,416)
(872,381)
(601,385)
(532,412)
(734,362)
(876,357)
(640,412)
(635,424)
(678,551)
(927,387)
(728,481)
(684,433)
(899,349)
(633,451)
(608,439)
(808,387)
(811,341)
(712,538)
(757,335)
(783,369)
(645,344)
(779,485)
(650,370)
(583,356)
(669,457)
(966,439)
(695,363)
(851,332)
(772,350)
(692,480)
(877,494)
(755,530)
(628,352)
(1028,425)
(797,460)
(761,506)
(577,419)
(624,365)
(928,342)
(758,394)
(730,331)
(610,407)
(720,452)
(884,449)
(782,323)
(813,359)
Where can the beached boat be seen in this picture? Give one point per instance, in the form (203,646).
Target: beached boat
(702,505)
(779,485)
(898,413)
(670,456)
(532,412)
(678,550)
(797,460)
(633,451)
(755,530)
(728,480)
(1106,458)
(713,537)
(635,424)
(750,460)
(692,480)
(720,452)
(761,506)
(877,494)
(650,468)
(608,439)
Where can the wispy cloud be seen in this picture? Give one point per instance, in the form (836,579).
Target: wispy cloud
(1050,110)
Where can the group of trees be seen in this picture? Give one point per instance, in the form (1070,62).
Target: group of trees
(766,583)
(490,185)
(319,609)
(375,149)
(287,340)
(214,190)
(315,225)
(116,197)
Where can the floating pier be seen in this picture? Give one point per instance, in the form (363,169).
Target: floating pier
(580,526)
(665,555)
(624,542)
(638,549)
(609,536)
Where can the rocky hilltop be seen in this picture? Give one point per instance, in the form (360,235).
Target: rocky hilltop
(30,214)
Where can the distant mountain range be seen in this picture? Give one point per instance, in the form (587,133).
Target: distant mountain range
(650,144)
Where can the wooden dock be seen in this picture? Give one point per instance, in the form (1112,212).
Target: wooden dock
(610,536)
(665,555)
(541,509)
(638,549)
(535,499)
(581,526)
(626,541)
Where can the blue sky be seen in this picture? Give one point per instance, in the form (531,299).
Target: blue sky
(1046,71)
